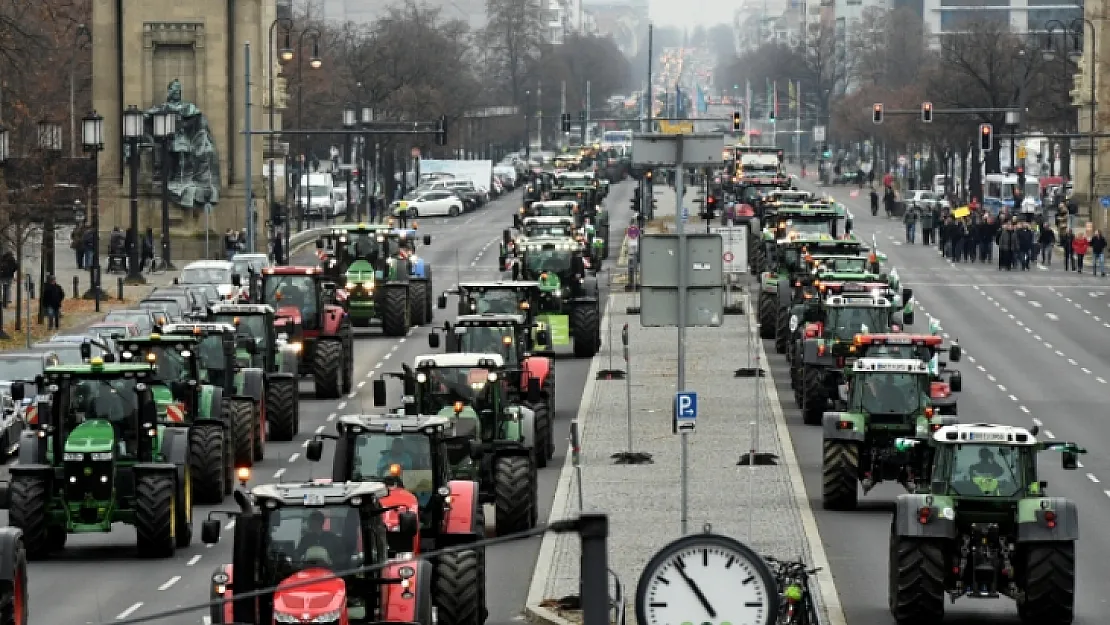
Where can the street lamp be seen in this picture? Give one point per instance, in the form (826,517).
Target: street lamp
(528,127)
(50,142)
(284,55)
(368,180)
(1074,49)
(5,293)
(165,129)
(350,120)
(132,136)
(92,141)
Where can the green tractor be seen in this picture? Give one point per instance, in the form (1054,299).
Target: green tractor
(471,390)
(786,221)
(886,399)
(984,527)
(259,345)
(99,455)
(944,381)
(512,336)
(219,367)
(568,306)
(501,297)
(589,212)
(336,250)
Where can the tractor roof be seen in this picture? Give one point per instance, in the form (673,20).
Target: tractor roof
(986,433)
(564,244)
(241,309)
(98,368)
(890,365)
(490,319)
(549,220)
(289,270)
(210,264)
(391,423)
(554,204)
(892,338)
(488,361)
(319,492)
(857,301)
(500,284)
(362,227)
(182,337)
(198,328)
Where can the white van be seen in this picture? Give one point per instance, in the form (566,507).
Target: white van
(316,195)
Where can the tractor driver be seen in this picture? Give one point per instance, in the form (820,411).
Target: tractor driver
(397,454)
(987,465)
(483,340)
(316,539)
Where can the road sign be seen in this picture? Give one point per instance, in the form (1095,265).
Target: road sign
(685,412)
(734,240)
(685,213)
(1021,153)
(676,128)
(818,133)
(633,232)
(728,257)
(1105,201)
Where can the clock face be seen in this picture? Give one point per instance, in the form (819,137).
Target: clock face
(708,584)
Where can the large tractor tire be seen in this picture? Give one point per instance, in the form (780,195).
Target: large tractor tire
(782,330)
(459,588)
(768,308)
(916,580)
(514,494)
(327,368)
(1049,584)
(14,595)
(543,433)
(430,296)
(813,395)
(396,312)
(155,512)
(240,419)
(281,408)
(839,475)
(183,510)
(585,328)
(208,462)
(418,295)
(346,340)
(27,510)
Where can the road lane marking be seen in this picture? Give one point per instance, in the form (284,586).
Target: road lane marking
(982,368)
(992,378)
(1091,476)
(1060,353)
(362,384)
(129,611)
(1023,409)
(1013,398)
(294,457)
(377,366)
(1101,381)
(1049,434)
(331,417)
(306,442)
(193,560)
(1002,388)
(320,429)
(170,582)
(402,340)
(1052,316)
(971,359)
(279,473)
(341,405)
(1035,304)
(1037,422)
(1071,361)
(1085,370)
(351,395)
(386,357)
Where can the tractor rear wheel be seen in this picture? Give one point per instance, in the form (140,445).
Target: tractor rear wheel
(208,462)
(585,329)
(782,330)
(327,363)
(513,494)
(396,313)
(348,361)
(839,475)
(183,508)
(155,516)
(281,408)
(458,588)
(768,307)
(813,395)
(1049,584)
(543,433)
(417,300)
(27,511)
(240,420)
(14,595)
(916,584)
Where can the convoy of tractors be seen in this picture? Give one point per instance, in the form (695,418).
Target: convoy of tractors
(975,520)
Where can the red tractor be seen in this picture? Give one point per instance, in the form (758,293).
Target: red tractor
(414,455)
(295,538)
(307,306)
(926,348)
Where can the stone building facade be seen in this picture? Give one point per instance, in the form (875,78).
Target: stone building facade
(1096,61)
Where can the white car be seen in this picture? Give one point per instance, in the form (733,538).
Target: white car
(428,203)
(922,200)
(217,272)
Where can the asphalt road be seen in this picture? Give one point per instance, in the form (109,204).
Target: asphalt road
(1036,350)
(100,575)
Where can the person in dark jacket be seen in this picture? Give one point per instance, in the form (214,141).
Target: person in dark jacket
(1066,239)
(52,297)
(148,250)
(888,201)
(874,202)
(1048,241)
(1098,254)
(8,267)
(1005,247)
(1025,245)
(88,240)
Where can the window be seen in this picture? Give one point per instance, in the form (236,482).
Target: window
(956,20)
(376,453)
(1039,18)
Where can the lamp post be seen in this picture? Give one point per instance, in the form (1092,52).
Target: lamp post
(92,141)
(350,120)
(1076,29)
(368,182)
(6,288)
(284,56)
(50,142)
(315,62)
(132,137)
(528,128)
(165,129)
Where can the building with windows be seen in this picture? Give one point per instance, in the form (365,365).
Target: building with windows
(1022,16)
(626,21)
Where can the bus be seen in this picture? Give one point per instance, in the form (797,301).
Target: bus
(1002,186)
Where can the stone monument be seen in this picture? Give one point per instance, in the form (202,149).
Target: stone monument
(192,170)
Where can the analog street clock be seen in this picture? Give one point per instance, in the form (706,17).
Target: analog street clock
(706,579)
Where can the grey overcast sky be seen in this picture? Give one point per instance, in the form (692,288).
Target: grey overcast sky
(686,14)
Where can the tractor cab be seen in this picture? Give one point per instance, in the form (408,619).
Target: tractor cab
(555,226)
(177,377)
(343,245)
(215,350)
(257,342)
(505,334)
(296,538)
(890,391)
(558,264)
(503,297)
(944,382)
(303,297)
(845,264)
(462,386)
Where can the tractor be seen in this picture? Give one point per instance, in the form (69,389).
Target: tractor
(336,248)
(568,306)
(547,208)
(470,390)
(886,399)
(421,294)
(501,297)
(985,527)
(944,382)
(786,267)
(218,367)
(588,211)
(98,455)
(259,345)
(305,301)
(511,336)
(534,227)
(301,553)
(412,456)
(14,595)
(784,222)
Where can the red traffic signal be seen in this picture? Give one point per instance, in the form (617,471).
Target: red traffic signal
(986,137)
(877,113)
(927,112)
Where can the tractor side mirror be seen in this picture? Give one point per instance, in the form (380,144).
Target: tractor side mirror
(907,318)
(86,351)
(433,340)
(1069,460)
(210,532)
(441,302)
(236,280)
(379,392)
(109,357)
(407,524)
(907,296)
(955,352)
(427,239)
(474,450)
(506,235)
(17,391)
(956,382)
(533,390)
(315,450)
(516,271)
(319,244)
(543,337)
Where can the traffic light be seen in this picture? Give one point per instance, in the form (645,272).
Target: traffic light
(986,137)
(582,116)
(736,121)
(877,113)
(927,112)
(441,130)
(565,120)
(710,206)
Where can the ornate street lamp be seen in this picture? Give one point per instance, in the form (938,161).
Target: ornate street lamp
(165,129)
(133,132)
(92,141)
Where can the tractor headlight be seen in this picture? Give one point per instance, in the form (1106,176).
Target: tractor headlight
(350,286)
(369,286)
(101,455)
(282,617)
(72,457)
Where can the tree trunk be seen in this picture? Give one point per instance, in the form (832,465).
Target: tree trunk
(1065,158)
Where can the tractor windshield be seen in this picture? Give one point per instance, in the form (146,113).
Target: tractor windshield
(845,265)
(488,340)
(550,261)
(361,245)
(888,393)
(845,322)
(443,386)
(298,291)
(253,326)
(112,399)
(375,454)
(555,210)
(302,537)
(212,361)
(808,227)
(984,470)
(171,361)
(548,230)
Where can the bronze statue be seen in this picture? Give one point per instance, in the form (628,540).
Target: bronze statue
(193,169)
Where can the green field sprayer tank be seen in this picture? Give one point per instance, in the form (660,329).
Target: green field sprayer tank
(97,456)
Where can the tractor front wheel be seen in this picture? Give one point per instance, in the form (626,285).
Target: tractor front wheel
(28,511)
(14,596)
(813,395)
(281,408)
(418,301)
(839,474)
(396,313)
(767,309)
(585,329)
(458,588)
(327,363)
(208,462)
(155,516)
(1049,584)
(782,330)
(916,585)
(514,494)
(240,418)
(543,432)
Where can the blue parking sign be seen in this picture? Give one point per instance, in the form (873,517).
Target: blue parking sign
(685,412)
(1105,201)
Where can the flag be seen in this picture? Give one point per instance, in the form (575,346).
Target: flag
(793,97)
(770,100)
(703,103)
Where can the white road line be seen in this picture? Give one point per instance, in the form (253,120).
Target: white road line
(411,330)
(306,442)
(1052,316)
(293,458)
(369,374)
(1004,310)
(1086,311)
(331,417)
(279,473)
(982,368)
(1091,476)
(320,429)
(1037,336)
(1049,434)
(193,560)
(1013,398)
(170,582)
(1002,388)
(1048,345)
(394,348)
(1035,304)
(1023,409)
(991,378)
(971,359)
(1107,492)
(230,524)
(341,405)
(402,340)
(1037,422)
(1071,361)
(351,395)
(1085,370)
(129,611)
(1028,330)
(1067,299)
(386,357)
(1011,316)
(946,335)
(1018,321)
(1101,381)
(1060,353)
(1096,318)
(362,384)
(378,366)
(1019,293)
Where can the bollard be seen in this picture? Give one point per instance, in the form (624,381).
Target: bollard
(119,287)
(76,286)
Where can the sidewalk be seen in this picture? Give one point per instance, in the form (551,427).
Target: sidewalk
(643,501)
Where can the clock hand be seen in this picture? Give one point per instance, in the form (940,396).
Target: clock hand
(697,591)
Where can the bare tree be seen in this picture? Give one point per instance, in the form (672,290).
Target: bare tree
(515,33)
(826,66)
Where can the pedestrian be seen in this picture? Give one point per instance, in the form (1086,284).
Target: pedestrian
(8,268)
(1048,241)
(1079,246)
(874,203)
(52,297)
(89,244)
(909,219)
(888,202)
(230,243)
(148,250)
(1025,245)
(1005,247)
(937,221)
(1066,239)
(278,249)
(1098,254)
(401,214)
(76,239)
(927,226)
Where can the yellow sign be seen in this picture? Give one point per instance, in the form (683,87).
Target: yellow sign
(961,212)
(1021,152)
(676,128)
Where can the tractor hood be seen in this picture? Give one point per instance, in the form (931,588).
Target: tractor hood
(95,435)
(551,283)
(316,595)
(468,412)
(361,271)
(162,396)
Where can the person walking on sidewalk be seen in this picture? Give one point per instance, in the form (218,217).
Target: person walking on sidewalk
(1025,240)
(1079,247)
(1006,247)
(927,227)
(88,240)
(52,297)
(76,243)
(1066,239)
(1048,241)
(1098,254)
(910,221)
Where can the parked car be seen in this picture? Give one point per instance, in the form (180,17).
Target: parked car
(192,301)
(114,330)
(431,203)
(105,344)
(148,321)
(922,199)
(171,307)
